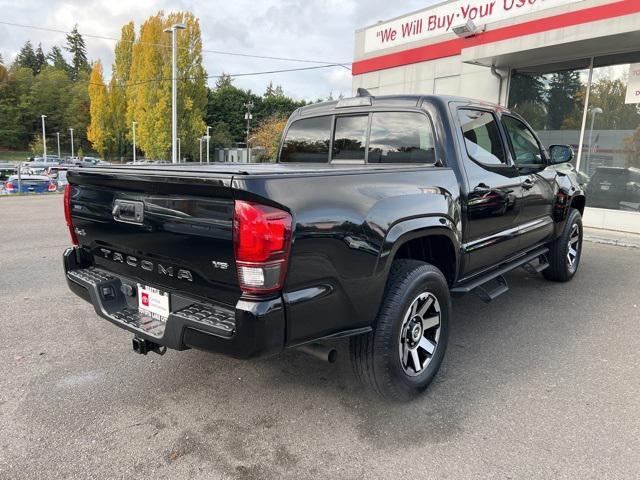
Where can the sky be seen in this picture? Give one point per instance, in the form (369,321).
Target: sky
(303,29)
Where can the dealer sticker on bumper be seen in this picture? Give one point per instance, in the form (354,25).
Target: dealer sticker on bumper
(153,302)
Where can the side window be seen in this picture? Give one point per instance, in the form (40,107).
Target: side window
(401,137)
(482,137)
(350,138)
(307,140)
(526,150)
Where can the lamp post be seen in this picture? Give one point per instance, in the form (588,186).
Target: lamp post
(179,153)
(594,111)
(208,138)
(71,130)
(58,135)
(174,89)
(200,140)
(248,117)
(134,141)
(44,140)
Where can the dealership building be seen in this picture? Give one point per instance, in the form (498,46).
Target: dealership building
(570,67)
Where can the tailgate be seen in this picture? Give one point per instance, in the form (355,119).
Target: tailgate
(166,229)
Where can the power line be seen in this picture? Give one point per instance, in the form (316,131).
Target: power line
(216,52)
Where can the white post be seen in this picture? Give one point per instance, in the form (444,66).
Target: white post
(134,141)
(208,138)
(179,153)
(200,139)
(174,90)
(58,135)
(71,130)
(44,139)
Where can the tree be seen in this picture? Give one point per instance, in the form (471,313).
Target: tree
(149,96)
(26,58)
(224,80)
(121,71)
(226,104)
(41,60)
(78,50)
(77,112)
(57,60)
(268,135)
(220,136)
(98,130)
(527,96)
(565,100)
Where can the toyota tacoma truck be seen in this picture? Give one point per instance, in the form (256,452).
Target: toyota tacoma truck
(377,211)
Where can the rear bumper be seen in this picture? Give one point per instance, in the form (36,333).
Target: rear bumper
(250,329)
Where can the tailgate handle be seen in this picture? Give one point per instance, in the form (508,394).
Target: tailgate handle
(128,211)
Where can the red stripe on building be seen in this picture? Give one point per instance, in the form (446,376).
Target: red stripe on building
(455,46)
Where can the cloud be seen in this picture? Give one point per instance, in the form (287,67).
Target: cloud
(312,29)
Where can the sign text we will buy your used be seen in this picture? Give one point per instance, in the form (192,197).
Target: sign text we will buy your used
(441,19)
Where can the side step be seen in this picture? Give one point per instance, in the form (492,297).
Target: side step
(488,294)
(534,268)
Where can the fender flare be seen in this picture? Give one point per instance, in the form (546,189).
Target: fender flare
(410,229)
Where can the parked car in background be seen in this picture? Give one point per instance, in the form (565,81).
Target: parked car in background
(29,184)
(615,188)
(54,171)
(62,180)
(6,170)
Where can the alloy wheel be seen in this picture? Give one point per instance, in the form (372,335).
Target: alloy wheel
(419,334)
(573,251)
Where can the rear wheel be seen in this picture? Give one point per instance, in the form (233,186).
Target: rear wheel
(565,252)
(402,355)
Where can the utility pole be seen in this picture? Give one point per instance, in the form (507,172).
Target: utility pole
(248,117)
(208,138)
(71,130)
(44,139)
(58,135)
(134,141)
(173,30)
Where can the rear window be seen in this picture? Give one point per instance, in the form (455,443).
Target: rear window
(401,137)
(482,137)
(350,138)
(307,140)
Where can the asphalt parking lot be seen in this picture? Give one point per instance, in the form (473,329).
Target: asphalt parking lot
(542,383)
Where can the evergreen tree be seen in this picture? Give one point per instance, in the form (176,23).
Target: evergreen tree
(57,60)
(224,81)
(271,91)
(564,99)
(40,59)
(78,50)
(26,58)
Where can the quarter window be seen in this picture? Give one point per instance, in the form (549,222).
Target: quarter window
(307,140)
(482,137)
(401,137)
(350,138)
(526,149)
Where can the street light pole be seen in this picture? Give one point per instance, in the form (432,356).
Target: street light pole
(208,138)
(248,117)
(44,139)
(174,90)
(134,141)
(58,135)
(71,130)
(200,139)
(594,112)
(179,153)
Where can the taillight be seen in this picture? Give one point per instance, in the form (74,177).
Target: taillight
(52,187)
(261,237)
(9,186)
(67,213)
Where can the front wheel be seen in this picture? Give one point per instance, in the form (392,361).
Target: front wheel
(565,252)
(400,358)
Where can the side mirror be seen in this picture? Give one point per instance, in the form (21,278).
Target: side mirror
(561,154)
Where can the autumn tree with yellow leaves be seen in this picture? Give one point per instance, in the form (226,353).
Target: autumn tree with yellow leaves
(99,126)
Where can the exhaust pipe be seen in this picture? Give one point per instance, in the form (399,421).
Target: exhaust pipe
(143,346)
(319,351)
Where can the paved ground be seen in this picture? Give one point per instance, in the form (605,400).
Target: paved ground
(543,383)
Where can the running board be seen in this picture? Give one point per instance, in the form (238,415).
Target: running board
(489,294)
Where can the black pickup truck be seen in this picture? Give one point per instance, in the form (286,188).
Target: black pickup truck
(378,210)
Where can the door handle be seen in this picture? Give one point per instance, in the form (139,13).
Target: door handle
(482,188)
(528,184)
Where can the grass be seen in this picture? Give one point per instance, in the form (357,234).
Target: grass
(14,156)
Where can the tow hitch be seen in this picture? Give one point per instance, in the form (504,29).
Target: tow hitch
(143,346)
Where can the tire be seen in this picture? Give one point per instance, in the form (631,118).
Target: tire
(563,264)
(417,296)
